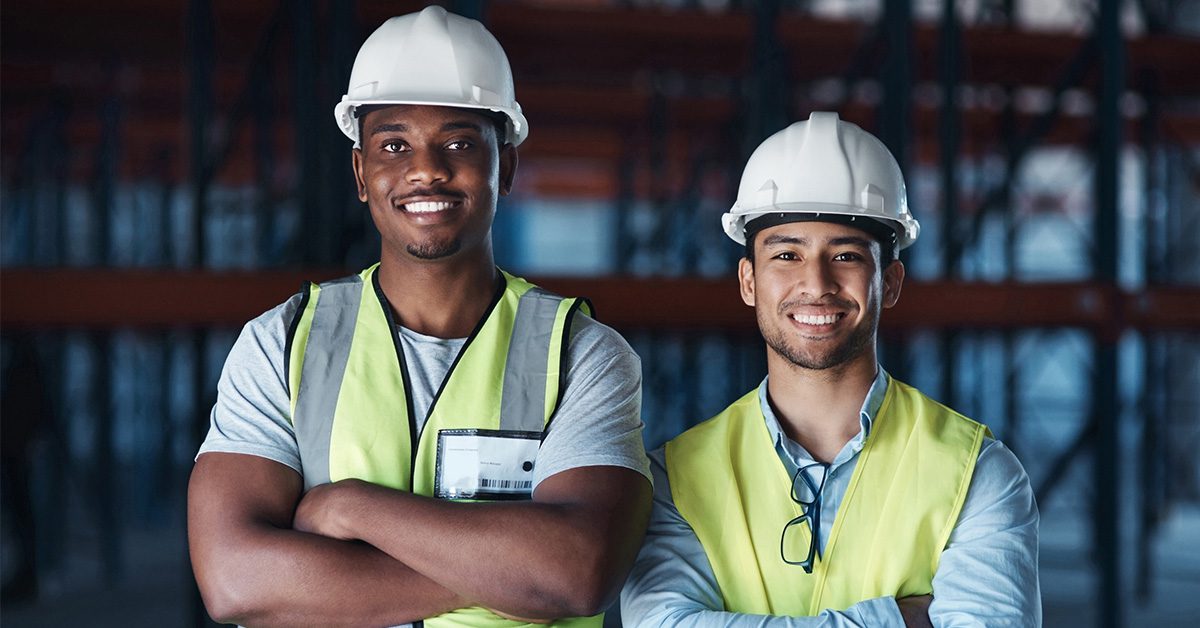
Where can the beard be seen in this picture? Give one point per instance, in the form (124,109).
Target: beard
(434,249)
(826,355)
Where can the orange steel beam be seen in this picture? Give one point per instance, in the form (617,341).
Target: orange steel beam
(109,298)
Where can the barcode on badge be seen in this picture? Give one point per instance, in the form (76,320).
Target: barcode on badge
(511,485)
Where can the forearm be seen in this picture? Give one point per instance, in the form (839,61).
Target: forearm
(529,559)
(879,612)
(286,578)
(254,569)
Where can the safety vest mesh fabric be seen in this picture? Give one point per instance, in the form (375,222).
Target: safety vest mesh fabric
(351,399)
(902,502)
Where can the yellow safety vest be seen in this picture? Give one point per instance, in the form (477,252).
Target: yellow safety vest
(351,401)
(902,502)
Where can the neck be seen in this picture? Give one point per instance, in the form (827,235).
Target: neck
(440,298)
(819,409)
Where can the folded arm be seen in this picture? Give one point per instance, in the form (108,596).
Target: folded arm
(563,554)
(672,582)
(254,569)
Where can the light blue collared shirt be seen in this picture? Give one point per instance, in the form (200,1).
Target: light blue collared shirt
(987,574)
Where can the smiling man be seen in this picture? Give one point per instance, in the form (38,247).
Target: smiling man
(832,495)
(431,440)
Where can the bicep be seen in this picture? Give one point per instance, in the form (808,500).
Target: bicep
(232,497)
(612,502)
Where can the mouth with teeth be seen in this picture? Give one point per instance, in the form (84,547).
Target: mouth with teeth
(818,320)
(428,207)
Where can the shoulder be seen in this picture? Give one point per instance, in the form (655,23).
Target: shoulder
(941,418)
(596,352)
(998,471)
(591,339)
(267,333)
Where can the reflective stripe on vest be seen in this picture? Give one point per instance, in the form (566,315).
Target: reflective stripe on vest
(902,502)
(351,399)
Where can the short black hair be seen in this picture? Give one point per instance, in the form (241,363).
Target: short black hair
(889,250)
(499,121)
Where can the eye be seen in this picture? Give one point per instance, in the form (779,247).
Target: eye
(847,256)
(787,256)
(459,145)
(394,146)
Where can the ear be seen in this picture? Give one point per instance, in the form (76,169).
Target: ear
(356,161)
(508,168)
(893,280)
(746,281)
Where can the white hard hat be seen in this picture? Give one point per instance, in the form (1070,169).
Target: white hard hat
(823,169)
(432,58)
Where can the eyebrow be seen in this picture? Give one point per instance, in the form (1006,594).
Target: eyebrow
(459,125)
(784,239)
(851,241)
(462,125)
(798,241)
(388,128)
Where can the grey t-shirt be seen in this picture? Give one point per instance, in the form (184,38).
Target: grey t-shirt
(598,422)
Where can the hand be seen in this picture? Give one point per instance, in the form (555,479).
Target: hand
(915,610)
(320,510)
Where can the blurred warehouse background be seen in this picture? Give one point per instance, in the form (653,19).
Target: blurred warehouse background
(172,169)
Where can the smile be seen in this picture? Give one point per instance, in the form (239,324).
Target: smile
(428,207)
(817,319)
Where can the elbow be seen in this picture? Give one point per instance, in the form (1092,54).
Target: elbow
(223,603)
(228,602)
(230,599)
(589,588)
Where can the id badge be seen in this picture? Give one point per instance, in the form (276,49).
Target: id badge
(485,464)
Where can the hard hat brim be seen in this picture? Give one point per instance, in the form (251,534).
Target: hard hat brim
(518,127)
(734,222)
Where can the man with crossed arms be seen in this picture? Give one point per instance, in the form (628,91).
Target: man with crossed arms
(833,494)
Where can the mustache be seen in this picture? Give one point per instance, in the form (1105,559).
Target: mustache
(433,191)
(825,301)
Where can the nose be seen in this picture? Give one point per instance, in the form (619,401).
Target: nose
(817,279)
(426,167)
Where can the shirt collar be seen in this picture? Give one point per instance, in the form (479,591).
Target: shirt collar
(868,412)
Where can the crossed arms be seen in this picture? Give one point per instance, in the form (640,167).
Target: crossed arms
(353,553)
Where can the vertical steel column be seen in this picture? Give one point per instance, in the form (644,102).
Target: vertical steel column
(314,217)
(199,27)
(341,190)
(894,120)
(106,469)
(1150,463)
(651,246)
(200,107)
(949,136)
(767,105)
(263,94)
(895,113)
(1105,395)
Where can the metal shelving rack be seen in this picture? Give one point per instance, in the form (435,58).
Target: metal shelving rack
(654,111)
